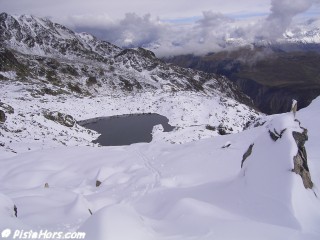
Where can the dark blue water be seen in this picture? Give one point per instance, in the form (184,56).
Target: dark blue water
(127,129)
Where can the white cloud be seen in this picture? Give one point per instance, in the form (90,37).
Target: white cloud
(157,24)
(281,16)
(130,31)
(165,9)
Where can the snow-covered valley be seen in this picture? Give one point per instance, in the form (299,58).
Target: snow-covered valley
(27,128)
(197,190)
(225,172)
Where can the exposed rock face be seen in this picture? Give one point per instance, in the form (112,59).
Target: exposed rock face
(247,154)
(270,76)
(278,99)
(222,130)
(15,209)
(91,81)
(9,62)
(38,49)
(3,116)
(226,145)
(61,118)
(98,183)
(7,108)
(7,208)
(300,160)
(275,135)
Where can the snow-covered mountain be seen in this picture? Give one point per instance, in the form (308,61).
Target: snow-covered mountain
(38,49)
(234,35)
(31,35)
(46,68)
(258,181)
(300,37)
(311,36)
(307,32)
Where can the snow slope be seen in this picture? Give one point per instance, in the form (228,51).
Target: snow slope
(206,187)
(195,190)
(27,128)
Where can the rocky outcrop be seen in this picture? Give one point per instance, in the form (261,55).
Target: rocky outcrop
(272,78)
(80,64)
(300,160)
(15,209)
(6,108)
(222,130)
(91,81)
(41,35)
(3,116)
(278,99)
(98,183)
(63,119)
(275,135)
(247,154)
(7,207)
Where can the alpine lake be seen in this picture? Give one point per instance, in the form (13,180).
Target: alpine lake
(126,129)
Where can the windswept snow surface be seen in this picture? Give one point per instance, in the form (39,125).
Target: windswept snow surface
(189,191)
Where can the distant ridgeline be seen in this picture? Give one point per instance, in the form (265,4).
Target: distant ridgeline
(61,61)
(271,75)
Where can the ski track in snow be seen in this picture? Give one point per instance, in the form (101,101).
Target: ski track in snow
(188,184)
(164,191)
(193,190)
(155,173)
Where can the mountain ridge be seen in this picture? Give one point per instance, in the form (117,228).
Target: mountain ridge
(271,75)
(52,53)
(196,182)
(104,80)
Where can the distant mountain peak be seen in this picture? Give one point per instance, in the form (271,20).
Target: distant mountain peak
(52,53)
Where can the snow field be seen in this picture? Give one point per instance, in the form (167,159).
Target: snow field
(192,190)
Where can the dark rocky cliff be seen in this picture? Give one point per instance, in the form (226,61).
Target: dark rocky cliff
(271,76)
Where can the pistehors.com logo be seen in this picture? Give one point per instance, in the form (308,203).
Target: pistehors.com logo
(42,234)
